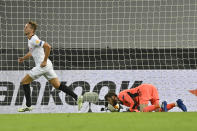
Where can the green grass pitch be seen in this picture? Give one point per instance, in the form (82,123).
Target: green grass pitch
(163,121)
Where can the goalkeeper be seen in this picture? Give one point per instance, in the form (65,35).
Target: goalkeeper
(40,51)
(137,99)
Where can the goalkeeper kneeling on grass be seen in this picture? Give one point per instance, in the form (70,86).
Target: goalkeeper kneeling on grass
(137,100)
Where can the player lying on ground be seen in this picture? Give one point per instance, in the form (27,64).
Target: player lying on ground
(40,52)
(137,99)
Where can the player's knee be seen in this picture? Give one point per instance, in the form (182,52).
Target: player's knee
(56,86)
(157,110)
(144,110)
(55,82)
(24,82)
(142,107)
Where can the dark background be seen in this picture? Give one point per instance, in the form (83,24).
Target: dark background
(102,34)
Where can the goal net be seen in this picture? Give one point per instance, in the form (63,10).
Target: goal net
(98,46)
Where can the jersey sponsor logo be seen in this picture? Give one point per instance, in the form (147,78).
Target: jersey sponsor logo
(39,42)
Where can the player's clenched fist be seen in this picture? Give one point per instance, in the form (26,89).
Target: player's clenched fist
(20,59)
(43,64)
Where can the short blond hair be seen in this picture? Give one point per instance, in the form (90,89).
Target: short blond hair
(33,25)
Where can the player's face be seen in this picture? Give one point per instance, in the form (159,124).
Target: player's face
(28,29)
(112,100)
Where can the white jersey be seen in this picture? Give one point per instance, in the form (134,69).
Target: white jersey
(36,48)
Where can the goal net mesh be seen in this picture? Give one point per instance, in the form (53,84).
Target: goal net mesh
(100,35)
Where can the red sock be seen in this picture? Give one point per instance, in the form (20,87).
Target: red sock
(150,108)
(170,106)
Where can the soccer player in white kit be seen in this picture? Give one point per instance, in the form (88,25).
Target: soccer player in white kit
(40,51)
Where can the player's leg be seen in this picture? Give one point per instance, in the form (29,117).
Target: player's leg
(25,83)
(154,107)
(151,108)
(155,98)
(51,76)
(170,106)
(178,103)
(148,92)
(35,73)
(26,87)
(142,106)
(164,106)
(56,83)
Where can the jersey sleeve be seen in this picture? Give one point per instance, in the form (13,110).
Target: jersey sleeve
(37,42)
(126,100)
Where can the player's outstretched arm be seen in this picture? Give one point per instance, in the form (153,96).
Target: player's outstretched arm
(47,49)
(27,56)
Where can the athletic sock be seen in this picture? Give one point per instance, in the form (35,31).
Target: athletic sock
(68,91)
(27,91)
(170,106)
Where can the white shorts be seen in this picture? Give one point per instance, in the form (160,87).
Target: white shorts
(38,71)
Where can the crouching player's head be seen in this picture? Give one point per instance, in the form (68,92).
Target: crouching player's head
(113,102)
